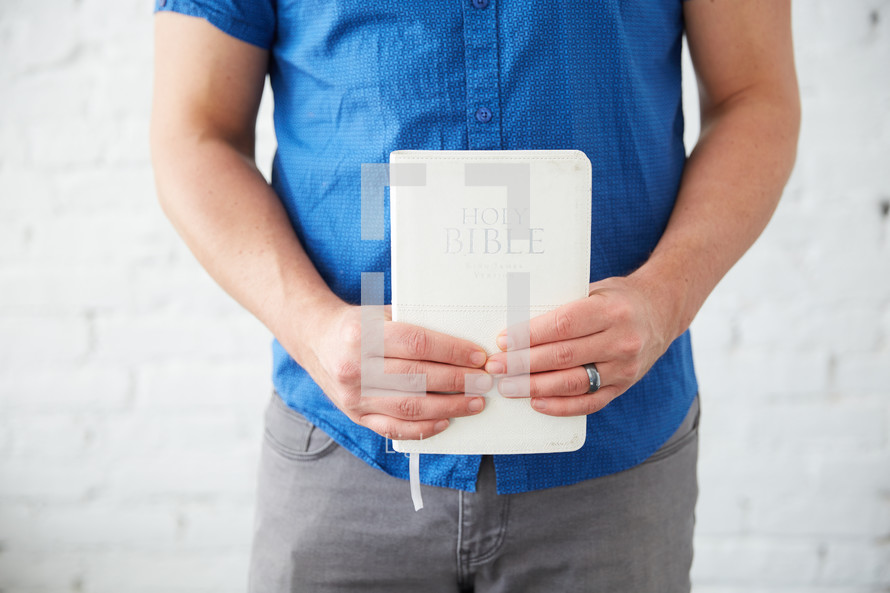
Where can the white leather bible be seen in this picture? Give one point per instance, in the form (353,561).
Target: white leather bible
(483,239)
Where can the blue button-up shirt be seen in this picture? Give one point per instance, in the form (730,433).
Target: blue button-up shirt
(354,80)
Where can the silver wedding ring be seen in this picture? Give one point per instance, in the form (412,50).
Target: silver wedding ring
(594,376)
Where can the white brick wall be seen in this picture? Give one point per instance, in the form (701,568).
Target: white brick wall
(793,348)
(131,387)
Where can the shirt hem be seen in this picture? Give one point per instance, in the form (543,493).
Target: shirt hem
(226,23)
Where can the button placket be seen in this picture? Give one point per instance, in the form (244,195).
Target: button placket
(483,84)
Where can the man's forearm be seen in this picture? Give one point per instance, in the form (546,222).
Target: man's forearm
(731,185)
(238,229)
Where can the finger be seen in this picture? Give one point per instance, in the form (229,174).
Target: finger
(578,405)
(419,377)
(432,406)
(422,376)
(393,428)
(411,342)
(567,382)
(550,357)
(572,320)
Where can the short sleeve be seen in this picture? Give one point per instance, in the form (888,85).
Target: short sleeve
(252,21)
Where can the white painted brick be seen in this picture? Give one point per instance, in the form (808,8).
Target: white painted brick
(54,437)
(845,426)
(187,475)
(190,385)
(51,92)
(167,338)
(754,562)
(852,329)
(42,571)
(778,324)
(100,190)
(39,36)
(13,244)
(691,113)
(42,340)
(790,229)
(5,438)
(125,34)
(885,326)
(77,527)
(726,466)
(865,373)
(24,480)
(184,288)
(714,328)
(720,509)
(12,141)
(121,89)
(208,526)
(763,267)
(726,424)
(862,476)
(62,142)
(782,473)
(210,432)
(65,387)
(58,289)
(856,563)
(104,238)
(129,144)
(761,373)
(197,340)
(814,493)
(856,208)
(793,494)
(140,572)
(800,513)
(25,195)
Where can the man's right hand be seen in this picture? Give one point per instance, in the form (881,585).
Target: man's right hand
(394,407)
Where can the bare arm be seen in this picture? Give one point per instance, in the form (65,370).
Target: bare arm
(206,95)
(750,109)
(208,87)
(750,113)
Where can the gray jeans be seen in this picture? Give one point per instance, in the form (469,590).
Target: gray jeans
(326,521)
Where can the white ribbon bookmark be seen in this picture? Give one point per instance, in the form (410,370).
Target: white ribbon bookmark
(414,479)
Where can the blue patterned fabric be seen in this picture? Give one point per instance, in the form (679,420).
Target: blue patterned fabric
(356,79)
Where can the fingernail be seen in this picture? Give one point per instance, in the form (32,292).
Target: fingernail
(507,387)
(478,358)
(539,404)
(504,342)
(495,368)
(476,404)
(440,425)
(480,382)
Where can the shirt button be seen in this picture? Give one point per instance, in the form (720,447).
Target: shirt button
(480,3)
(483,114)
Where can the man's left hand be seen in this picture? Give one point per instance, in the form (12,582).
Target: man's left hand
(617,327)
